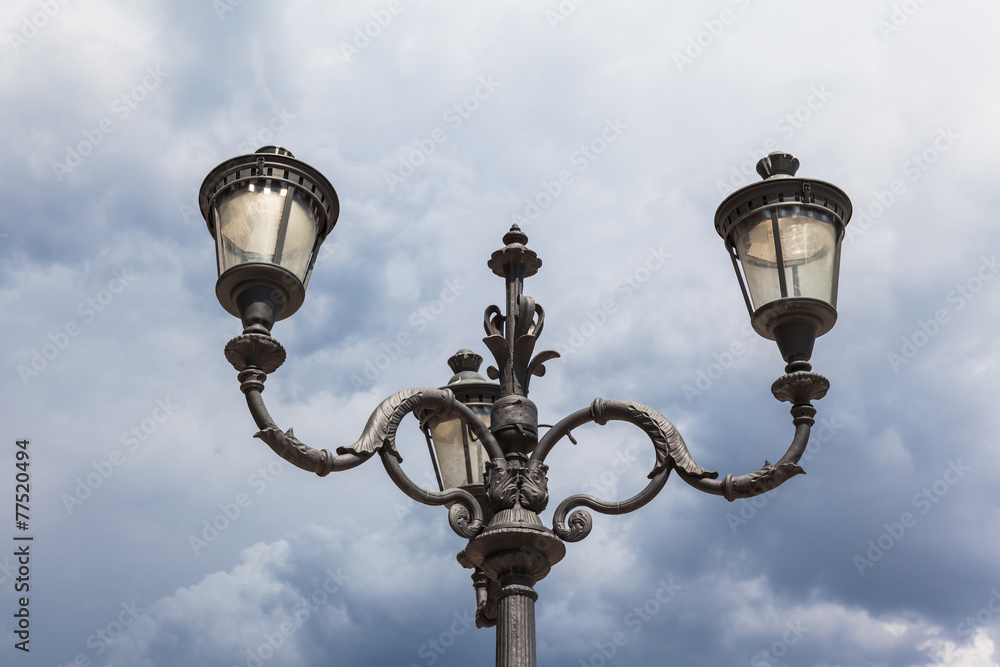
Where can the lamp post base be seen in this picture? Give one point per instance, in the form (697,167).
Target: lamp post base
(514,553)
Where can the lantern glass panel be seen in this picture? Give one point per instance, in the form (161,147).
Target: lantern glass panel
(249,228)
(809,254)
(461,457)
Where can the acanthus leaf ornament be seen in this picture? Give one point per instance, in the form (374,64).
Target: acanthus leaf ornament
(534,486)
(380,431)
(509,486)
(501,485)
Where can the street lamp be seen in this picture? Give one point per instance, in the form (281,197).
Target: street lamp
(269,213)
(458,457)
(786,234)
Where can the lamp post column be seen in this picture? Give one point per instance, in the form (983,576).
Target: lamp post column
(515,550)
(515,605)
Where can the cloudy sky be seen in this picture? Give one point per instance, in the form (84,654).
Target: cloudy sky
(166,535)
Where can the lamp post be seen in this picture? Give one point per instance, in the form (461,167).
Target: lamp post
(269,213)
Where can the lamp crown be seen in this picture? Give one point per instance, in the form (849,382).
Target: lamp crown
(465,365)
(777,165)
(274,150)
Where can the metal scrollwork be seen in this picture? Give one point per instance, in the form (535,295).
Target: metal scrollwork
(379,432)
(671,453)
(252,354)
(464,513)
(515,368)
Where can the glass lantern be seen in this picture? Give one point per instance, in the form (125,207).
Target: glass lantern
(268,213)
(784,237)
(458,456)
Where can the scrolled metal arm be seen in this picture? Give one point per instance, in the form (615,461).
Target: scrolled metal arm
(798,388)
(287,446)
(769,476)
(379,435)
(464,514)
(379,432)
(671,452)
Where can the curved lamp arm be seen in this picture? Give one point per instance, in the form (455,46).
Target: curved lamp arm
(799,388)
(671,452)
(254,355)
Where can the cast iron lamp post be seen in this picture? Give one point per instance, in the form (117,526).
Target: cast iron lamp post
(269,213)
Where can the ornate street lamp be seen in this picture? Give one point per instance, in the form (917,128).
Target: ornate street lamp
(269,213)
(786,233)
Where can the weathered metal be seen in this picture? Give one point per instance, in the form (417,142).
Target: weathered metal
(509,548)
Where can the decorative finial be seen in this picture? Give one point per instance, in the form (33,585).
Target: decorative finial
(777,165)
(514,253)
(465,360)
(515,235)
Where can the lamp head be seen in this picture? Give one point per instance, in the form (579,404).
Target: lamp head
(784,236)
(268,213)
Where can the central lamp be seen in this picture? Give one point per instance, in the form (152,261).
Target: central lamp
(458,456)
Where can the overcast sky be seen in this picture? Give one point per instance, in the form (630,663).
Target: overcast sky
(165,534)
